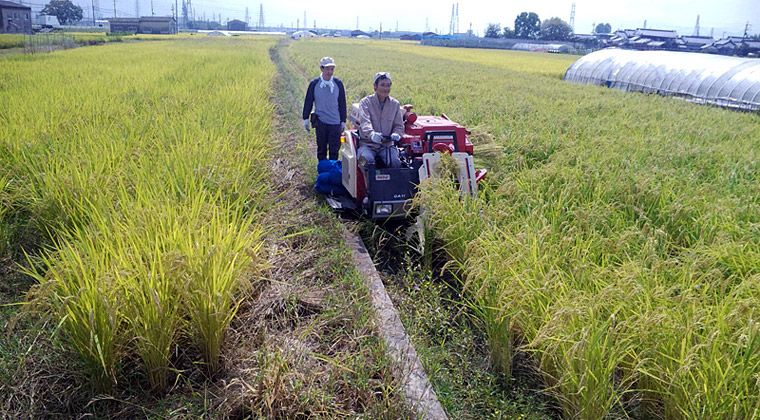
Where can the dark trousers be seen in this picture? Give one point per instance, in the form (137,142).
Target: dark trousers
(328,135)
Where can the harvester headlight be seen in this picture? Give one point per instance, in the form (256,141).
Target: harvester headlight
(383,209)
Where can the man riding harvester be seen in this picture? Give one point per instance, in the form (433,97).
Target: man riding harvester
(391,151)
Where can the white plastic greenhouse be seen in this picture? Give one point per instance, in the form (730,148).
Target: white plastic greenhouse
(702,78)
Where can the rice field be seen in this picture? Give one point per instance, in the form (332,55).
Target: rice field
(617,238)
(11,41)
(139,169)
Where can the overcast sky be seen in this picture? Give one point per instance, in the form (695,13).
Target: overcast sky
(721,16)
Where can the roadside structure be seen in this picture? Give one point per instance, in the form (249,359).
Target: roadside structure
(144,25)
(15,18)
(237,25)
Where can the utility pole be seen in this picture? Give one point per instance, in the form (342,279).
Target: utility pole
(152,13)
(261,15)
(114,8)
(137,8)
(746,30)
(696,27)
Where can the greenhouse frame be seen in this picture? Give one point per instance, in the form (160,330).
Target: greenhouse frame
(730,82)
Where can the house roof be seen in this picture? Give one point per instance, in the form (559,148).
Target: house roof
(657,33)
(697,39)
(10,4)
(156,19)
(123,20)
(725,41)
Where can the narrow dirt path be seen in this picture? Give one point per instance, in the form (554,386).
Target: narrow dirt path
(317,353)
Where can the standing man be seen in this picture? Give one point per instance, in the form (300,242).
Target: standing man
(381,125)
(328,97)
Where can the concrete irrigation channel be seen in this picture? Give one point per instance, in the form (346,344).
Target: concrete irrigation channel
(419,393)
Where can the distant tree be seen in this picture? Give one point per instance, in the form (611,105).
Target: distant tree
(66,11)
(555,29)
(493,30)
(527,25)
(508,32)
(603,28)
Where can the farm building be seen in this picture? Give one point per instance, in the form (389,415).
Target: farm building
(15,18)
(158,25)
(726,46)
(693,43)
(411,37)
(237,25)
(725,81)
(648,39)
(749,47)
(124,24)
(144,25)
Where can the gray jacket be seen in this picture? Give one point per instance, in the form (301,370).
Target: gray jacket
(387,121)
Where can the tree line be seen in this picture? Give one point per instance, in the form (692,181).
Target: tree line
(529,26)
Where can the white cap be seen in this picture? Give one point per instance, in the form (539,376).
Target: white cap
(382,75)
(326,62)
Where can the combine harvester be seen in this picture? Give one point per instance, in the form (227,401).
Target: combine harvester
(386,193)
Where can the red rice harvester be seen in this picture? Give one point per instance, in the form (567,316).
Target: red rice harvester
(385,193)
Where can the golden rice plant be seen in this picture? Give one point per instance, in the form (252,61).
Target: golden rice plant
(149,182)
(11,41)
(599,203)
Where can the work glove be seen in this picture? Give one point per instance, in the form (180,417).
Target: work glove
(376,137)
(306,125)
(342,127)
(395,137)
